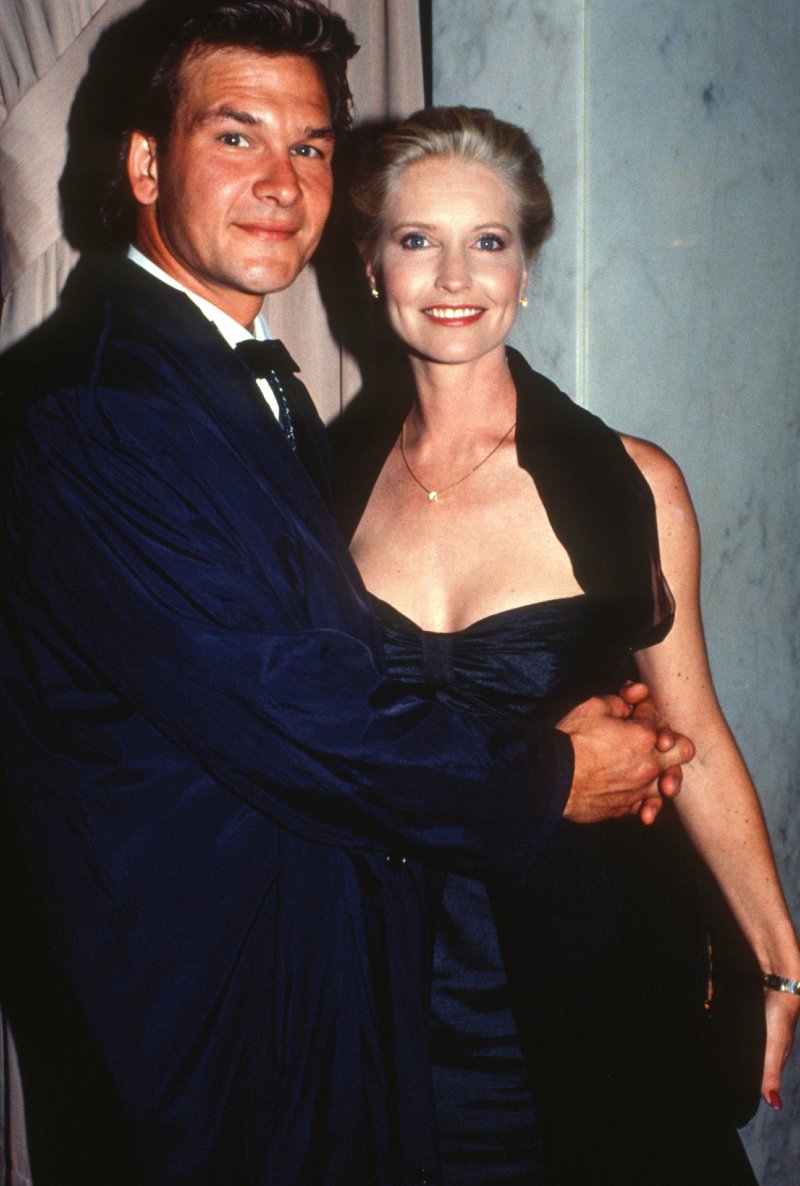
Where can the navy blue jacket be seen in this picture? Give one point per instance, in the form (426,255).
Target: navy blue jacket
(220,798)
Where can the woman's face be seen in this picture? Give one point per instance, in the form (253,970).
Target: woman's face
(450,262)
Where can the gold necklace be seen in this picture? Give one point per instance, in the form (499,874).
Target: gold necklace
(435,495)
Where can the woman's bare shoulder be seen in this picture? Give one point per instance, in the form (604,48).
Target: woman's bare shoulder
(662,472)
(677,521)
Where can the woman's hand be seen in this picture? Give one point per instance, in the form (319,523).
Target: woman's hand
(783,1012)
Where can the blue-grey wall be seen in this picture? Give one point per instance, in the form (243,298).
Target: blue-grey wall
(668,301)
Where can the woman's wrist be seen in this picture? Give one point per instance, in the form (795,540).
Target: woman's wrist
(777,950)
(779,983)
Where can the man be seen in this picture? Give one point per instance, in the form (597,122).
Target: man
(220,798)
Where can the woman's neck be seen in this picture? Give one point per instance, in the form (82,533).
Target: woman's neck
(454,398)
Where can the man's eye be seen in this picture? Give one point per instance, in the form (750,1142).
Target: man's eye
(414,241)
(490,243)
(306,150)
(234,140)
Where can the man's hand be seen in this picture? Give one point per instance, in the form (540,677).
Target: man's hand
(620,754)
(643,708)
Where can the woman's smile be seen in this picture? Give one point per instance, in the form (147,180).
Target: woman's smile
(452,316)
(451,258)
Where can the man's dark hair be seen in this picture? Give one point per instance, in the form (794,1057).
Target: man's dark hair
(133,84)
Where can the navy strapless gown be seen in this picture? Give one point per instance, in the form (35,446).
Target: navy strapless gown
(598,936)
(510,662)
(568,1027)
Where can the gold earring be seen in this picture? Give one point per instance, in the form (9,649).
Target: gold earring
(523,300)
(375,293)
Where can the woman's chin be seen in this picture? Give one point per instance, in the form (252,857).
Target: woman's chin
(454,352)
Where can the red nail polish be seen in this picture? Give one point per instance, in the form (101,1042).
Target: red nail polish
(775,1101)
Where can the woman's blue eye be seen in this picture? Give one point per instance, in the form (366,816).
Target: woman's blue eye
(490,243)
(414,241)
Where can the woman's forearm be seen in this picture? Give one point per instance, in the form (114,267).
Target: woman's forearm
(721,811)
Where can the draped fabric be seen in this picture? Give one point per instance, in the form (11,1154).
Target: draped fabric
(44,50)
(386,79)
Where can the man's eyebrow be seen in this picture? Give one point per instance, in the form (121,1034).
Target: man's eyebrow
(224,112)
(325,132)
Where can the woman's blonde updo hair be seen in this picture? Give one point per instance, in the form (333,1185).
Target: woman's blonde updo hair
(463,133)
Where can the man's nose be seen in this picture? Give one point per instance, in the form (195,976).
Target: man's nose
(277,181)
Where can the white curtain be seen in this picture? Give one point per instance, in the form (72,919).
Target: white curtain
(386,80)
(44,50)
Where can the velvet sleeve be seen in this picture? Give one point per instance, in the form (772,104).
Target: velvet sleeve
(192,596)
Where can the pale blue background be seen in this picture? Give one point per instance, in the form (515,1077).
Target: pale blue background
(668,301)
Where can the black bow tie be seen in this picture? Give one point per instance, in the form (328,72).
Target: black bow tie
(267,358)
(271,360)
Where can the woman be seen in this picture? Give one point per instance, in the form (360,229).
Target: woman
(514,549)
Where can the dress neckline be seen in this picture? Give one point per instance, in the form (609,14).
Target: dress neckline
(389,613)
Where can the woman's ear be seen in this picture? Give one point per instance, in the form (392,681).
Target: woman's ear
(372,279)
(142,166)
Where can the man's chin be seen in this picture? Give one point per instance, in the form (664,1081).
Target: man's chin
(263,281)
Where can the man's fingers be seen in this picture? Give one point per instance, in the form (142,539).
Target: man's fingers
(669,783)
(650,809)
(619,769)
(644,709)
(665,739)
(634,693)
(682,751)
(597,706)
(615,706)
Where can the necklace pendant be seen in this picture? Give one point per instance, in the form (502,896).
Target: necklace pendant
(433,496)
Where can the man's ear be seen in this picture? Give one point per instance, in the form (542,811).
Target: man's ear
(142,166)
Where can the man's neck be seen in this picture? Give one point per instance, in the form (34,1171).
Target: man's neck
(232,330)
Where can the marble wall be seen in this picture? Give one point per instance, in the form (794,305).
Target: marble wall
(668,300)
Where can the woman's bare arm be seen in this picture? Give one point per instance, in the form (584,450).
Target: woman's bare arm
(718,803)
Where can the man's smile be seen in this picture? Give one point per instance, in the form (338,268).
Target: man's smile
(272,231)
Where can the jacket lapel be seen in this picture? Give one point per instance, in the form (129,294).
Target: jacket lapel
(210,375)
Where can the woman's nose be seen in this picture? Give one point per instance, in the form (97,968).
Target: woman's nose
(454,274)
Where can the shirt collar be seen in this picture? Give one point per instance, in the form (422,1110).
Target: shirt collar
(231,330)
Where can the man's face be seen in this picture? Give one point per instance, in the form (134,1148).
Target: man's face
(234,205)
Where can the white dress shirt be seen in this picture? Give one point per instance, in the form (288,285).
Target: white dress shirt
(231,330)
